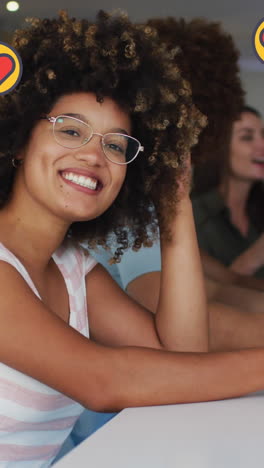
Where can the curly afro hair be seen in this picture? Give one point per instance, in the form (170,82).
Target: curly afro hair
(208,59)
(111,58)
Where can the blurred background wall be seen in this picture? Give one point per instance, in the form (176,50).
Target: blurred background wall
(239,18)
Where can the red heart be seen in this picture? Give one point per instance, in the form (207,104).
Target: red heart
(7,66)
(262,37)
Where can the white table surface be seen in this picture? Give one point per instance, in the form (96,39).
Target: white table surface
(226,434)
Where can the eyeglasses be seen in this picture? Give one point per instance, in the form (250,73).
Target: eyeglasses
(71,132)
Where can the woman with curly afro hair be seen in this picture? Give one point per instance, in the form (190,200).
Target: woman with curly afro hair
(99,128)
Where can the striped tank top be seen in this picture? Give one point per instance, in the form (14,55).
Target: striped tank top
(35,419)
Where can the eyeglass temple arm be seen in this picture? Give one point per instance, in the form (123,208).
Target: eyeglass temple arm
(50,119)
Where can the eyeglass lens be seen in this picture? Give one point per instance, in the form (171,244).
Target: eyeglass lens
(73,133)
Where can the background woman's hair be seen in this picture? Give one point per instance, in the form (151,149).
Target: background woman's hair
(250,110)
(209,173)
(127,63)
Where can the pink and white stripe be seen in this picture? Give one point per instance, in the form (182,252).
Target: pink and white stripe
(35,419)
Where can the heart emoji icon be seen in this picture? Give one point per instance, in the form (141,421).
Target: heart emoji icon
(7,66)
(258,40)
(261,37)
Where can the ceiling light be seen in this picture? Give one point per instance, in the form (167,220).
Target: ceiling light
(12,6)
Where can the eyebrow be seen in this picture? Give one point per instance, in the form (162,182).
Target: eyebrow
(246,129)
(83,118)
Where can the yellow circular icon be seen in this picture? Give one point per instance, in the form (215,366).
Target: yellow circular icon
(258,40)
(10,68)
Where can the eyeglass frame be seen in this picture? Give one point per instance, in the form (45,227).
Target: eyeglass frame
(53,120)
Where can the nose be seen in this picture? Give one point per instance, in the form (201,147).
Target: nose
(92,152)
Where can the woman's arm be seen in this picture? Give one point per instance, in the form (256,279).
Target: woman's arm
(251,259)
(251,300)
(215,270)
(182,316)
(36,342)
(232,328)
(114,318)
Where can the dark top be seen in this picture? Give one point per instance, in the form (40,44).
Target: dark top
(216,234)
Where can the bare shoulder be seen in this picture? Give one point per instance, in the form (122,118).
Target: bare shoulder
(10,281)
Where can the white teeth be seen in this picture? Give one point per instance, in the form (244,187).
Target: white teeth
(80,180)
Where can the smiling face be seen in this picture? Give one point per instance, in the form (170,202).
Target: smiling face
(74,184)
(247,148)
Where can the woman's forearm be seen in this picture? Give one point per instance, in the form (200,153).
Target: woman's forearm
(233,328)
(251,300)
(250,260)
(182,318)
(145,377)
